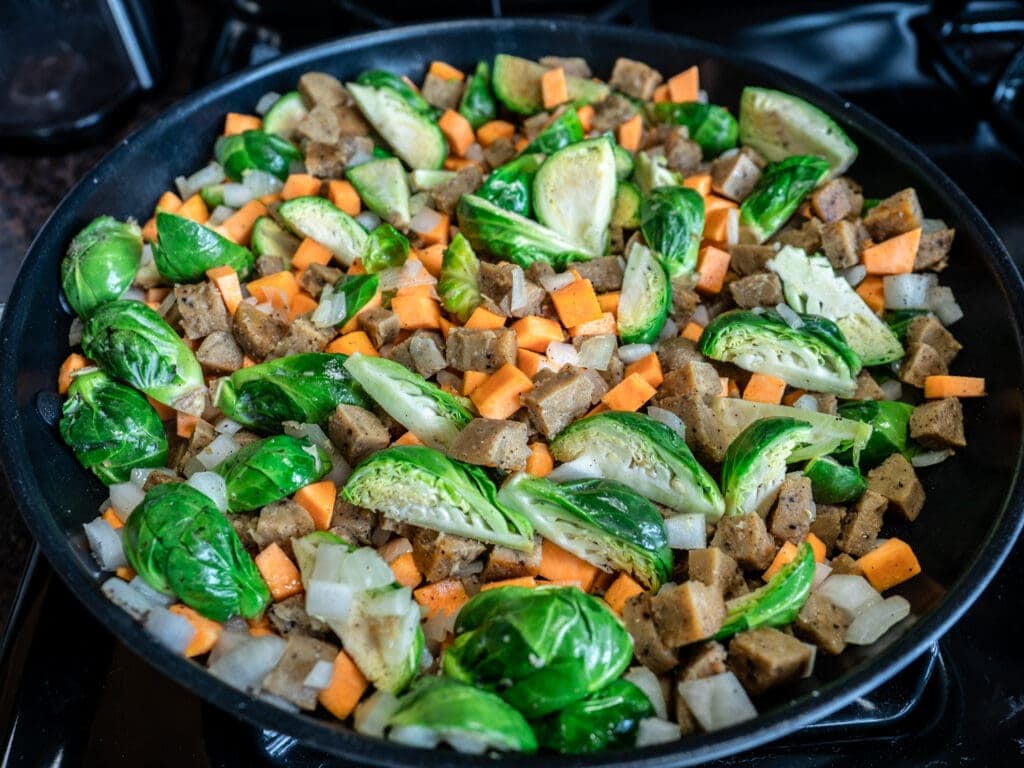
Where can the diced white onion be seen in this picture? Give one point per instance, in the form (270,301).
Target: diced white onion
(630,353)
(648,682)
(596,351)
(371,716)
(467,743)
(392,602)
(792,318)
(701,315)
(340,469)
(320,675)
(126,597)
(415,736)
(134,294)
(855,275)
(219,215)
(425,221)
(909,291)
(943,304)
(105,544)
(220,448)
(413,274)
(153,596)
(475,153)
(237,195)
(394,549)
(331,308)
(211,173)
(669,330)
(364,569)
(931,458)
(172,630)
(718,701)
(655,730)
(329,558)
(821,572)
(212,486)
(562,353)
(436,628)
(261,183)
(877,619)
(184,190)
(806,403)
(75,332)
(226,426)
(557,281)
(359,157)
(248,661)
(892,389)
(851,594)
(686,531)
(125,497)
(667,418)
(370,220)
(732,226)
(517,292)
(577,469)
(266,101)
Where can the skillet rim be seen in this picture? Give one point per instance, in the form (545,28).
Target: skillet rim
(344,742)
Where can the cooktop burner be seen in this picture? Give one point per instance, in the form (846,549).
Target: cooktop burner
(72,695)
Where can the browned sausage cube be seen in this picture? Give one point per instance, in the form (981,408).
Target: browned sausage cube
(735,176)
(841,243)
(556,401)
(290,616)
(862,524)
(746,539)
(896,480)
(320,88)
(492,443)
(354,524)
(573,65)
(806,236)
(867,388)
(220,353)
(748,259)
(324,160)
(715,568)
(939,424)
(481,349)
(682,154)
(765,658)
(281,522)
(826,403)
(703,431)
(921,361)
(792,516)
(828,521)
(441,555)
(846,565)
(269,264)
(634,78)
(688,612)
(638,616)
(604,273)
(504,563)
(446,196)
(316,276)
(499,152)
(836,199)
(441,93)
(823,624)
(287,679)
(356,432)
(895,215)
(321,124)
(692,378)
(933,250)
(760,290)
(611,113)
(201,309)
(676,352)
(381,325)
(426,349)
(685,301)
(926,329)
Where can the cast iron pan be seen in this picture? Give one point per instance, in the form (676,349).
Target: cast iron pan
(973,513)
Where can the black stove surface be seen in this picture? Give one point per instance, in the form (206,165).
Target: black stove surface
(71,695)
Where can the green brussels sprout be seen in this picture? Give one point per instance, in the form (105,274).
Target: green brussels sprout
(813,356)
(899,321)
(384,189)
(539,649)
(267,470)
(811,286)
(385,247)
(645,299)
(305,388)
(516,83)
(420,486)
(133,343)
(648,456)
(459,283)
(285,114)
(627,206)
(180,544)
(271,239)
(623,159)
(564,130)
(778,602)
(426,410)
(710,125)
(184,250)
(779,192)
(601,521)
(755,463)
(834,483)
(111,428)
(652,172)
(463,714)
(379,78)
(889,420)
(672,220)
(606,719)
(510,236)
(319,219)
(255,150)
(510,186)
(477,104)
(101,263)
(829,433)
(340,302)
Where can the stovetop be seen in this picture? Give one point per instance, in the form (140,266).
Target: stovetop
(72,695)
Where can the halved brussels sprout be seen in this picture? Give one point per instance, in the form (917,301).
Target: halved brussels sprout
(184,250)
(459,283)
(510,186)
(645,299)
(755,463)
(889,420)
(646,455)
(384,190)
(672,220)
(255,149)
(385,247)
(779,192)
(420,486)
(101,263)
(710,125)
(477,104)
(834,483)
(652,172)
(606,719)
(539,649)
(265,471)
(813,355)
(600,521)
(564,130)
(379,78)
(342,301)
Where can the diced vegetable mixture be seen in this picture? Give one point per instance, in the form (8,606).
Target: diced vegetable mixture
(516,409)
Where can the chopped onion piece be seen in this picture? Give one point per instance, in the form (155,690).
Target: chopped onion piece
(219,449)
(686,531)
(328,600)
(358,158)
(126,597)
(475,153)
(792,318)
(943,304)
(74,332)
(577,469)
(425,221)
(105,544)
(172,630)
(415,736)
(931,458)
(266,101)
(892,389)
(877,619)
(517,292)
(732,226)
(364,569)
(647,681)
(320,675)
(371,716)
(153,596)
(851,594)
(669,330)
(219,215)
(237,195)
(630,353)
(125,497)
(211,485)
(134,294)
(562,353)
(806,403)
(557,281)
(596,351)
(329,558)
(667,418)
(855,275)
(210,174)
(718,701)
(701,315)
(247,661)
(369,220)
(909,291)
(821,572)
(413,274)
(330,311)
(655,730)
(393,602)
(226,426)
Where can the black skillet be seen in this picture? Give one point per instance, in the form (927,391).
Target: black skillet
(973,513)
